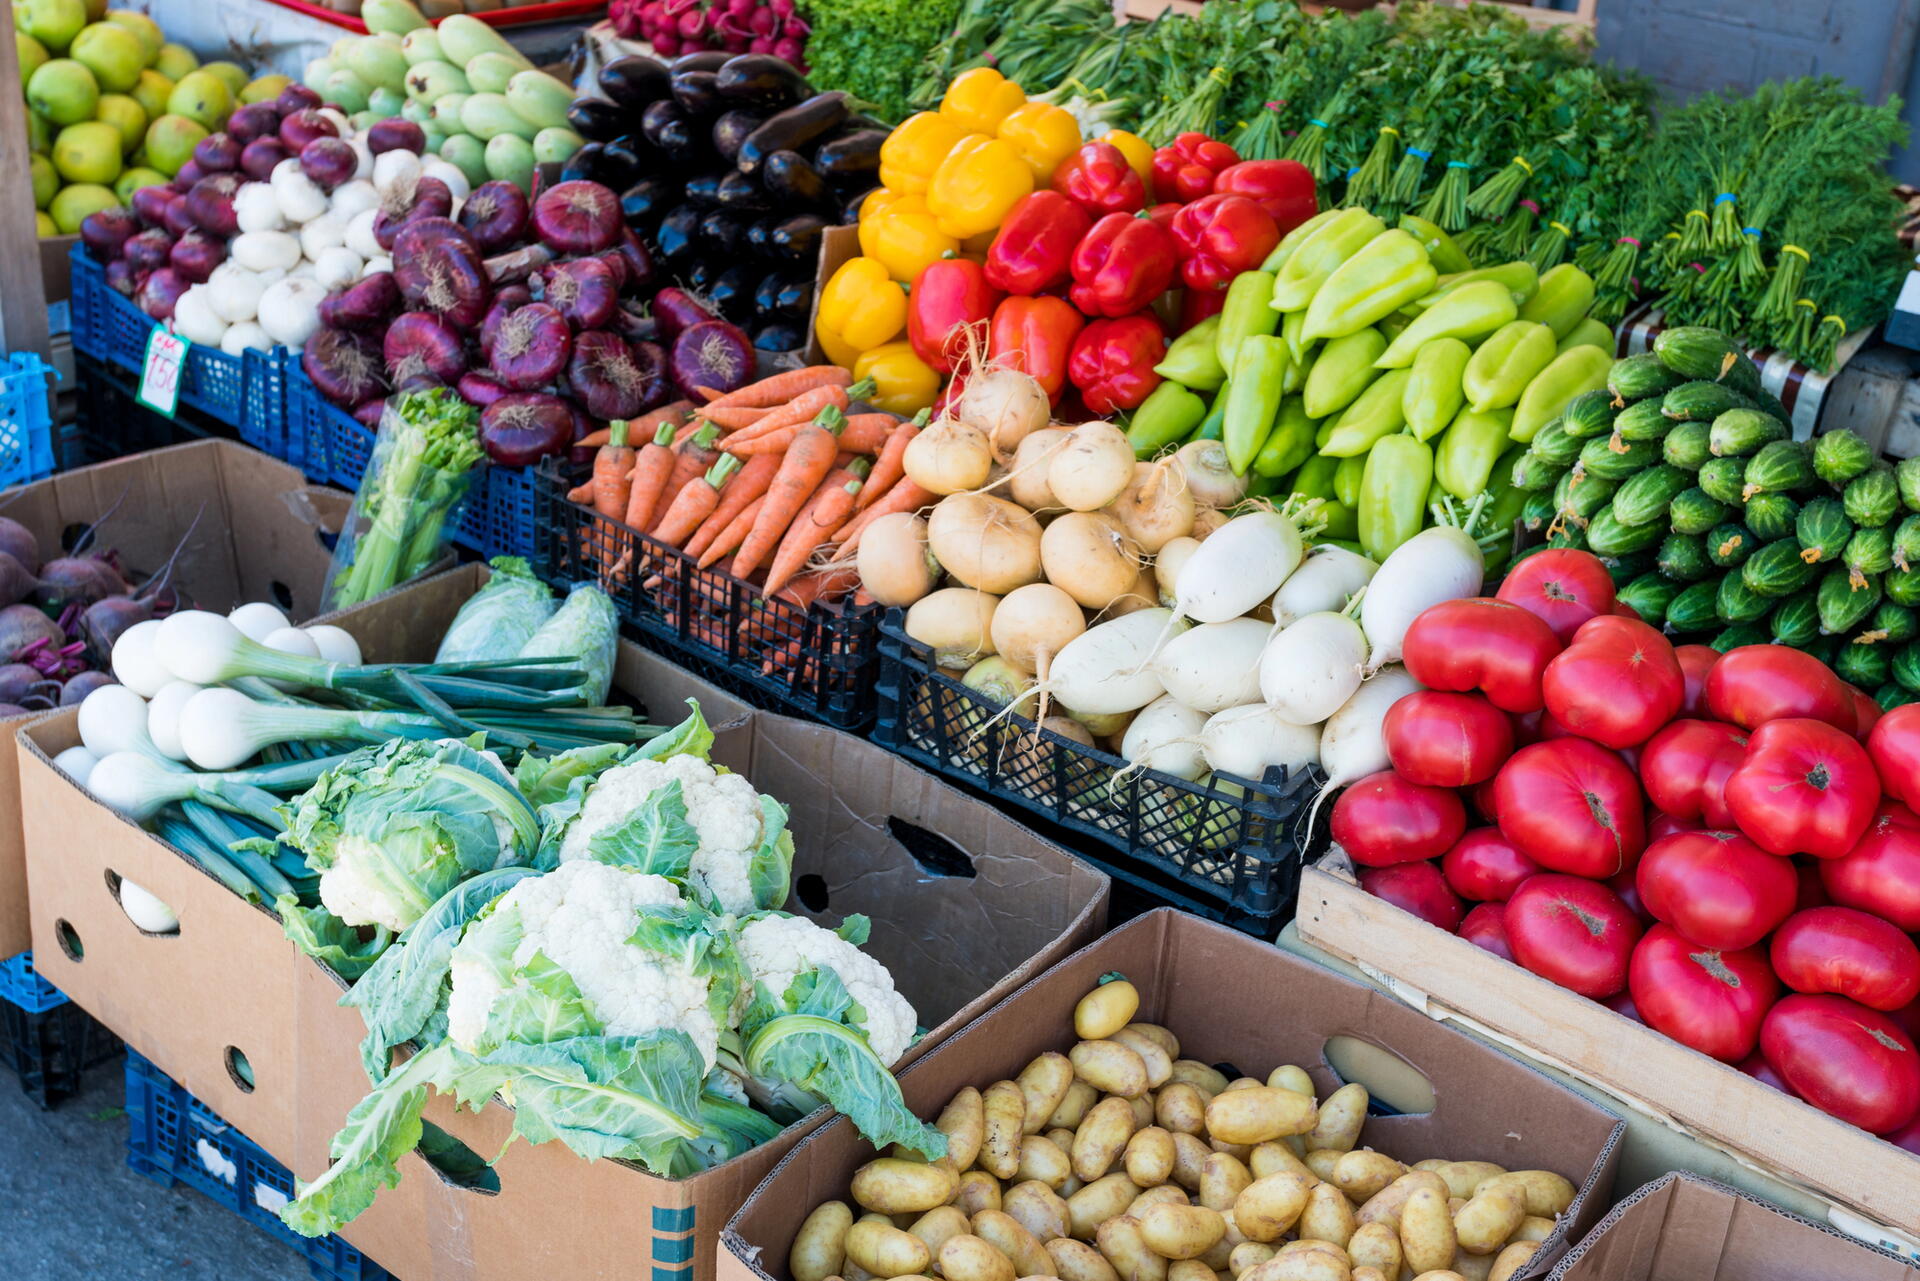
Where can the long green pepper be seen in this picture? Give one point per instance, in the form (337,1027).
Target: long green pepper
(1254,400)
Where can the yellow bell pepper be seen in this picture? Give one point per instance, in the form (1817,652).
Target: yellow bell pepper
(861,308)
(976,185)
(1044,135)
(913,151)
(903,383)
(978,100)
(1137,150)
(904,236)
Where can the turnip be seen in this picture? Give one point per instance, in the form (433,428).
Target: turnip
(1089,556)
(949,457)
(1006,404)
(1326,580)
(896,566)
(1108,668)
(1312,666)
(1142,594)
(1157,506)
(987,543)
(1216,665)
(1166,566)
(1027,477)
(1240,566)
(998,681)
(147,912)
(1437,564)
(1091,467)
(1246,740)
(1164,737)
(1351,744)
(1208,521)
(1209,475)
(956,623)
(1031,625)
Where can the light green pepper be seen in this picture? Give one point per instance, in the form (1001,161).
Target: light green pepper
(1297,237)
(1562,301)
(1375,413)
(1168,414)
(1245,313)
(1255,398)
(1315,477)
(1588,333)
(1291,325)
(1210,427)
(1347,477)
(1447,256)
(1342,370)
(1520,278)
(1315,259)
(1339,524)
(1393,493)
(1389,273)
(1580,369)
(1470,312)
(1464,459)
(1505,363)
(1289,444)
(1433,396)
(1192,359)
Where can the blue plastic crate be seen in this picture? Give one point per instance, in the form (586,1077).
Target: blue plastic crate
(172,1137)
(21,985)
(45,1039)
(512,493)
(26,425)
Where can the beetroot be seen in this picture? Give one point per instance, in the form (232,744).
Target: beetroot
(675,309)
(176,217)
(22,685)
(712,354)
(577,218)
(210,205)
(303,126)
(259,158)
(368,303)
(495,215)
(583,290)
(410,202)
(439,269)
(104,232)
(71,579)
(295,97)
(396,134)
(195,255)
(255,120)
(76,690)
(22,625)
(506,300)
(328,161)
(482,389)
(524,427)
(149,204)
(103,621)
(604,376)
(16,580)
(345,366)
(17,541)
(159,292)
(218,153)
(531,347)
(422,350)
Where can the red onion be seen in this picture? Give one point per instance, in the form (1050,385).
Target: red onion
(710,354)
(495,215)
(328,161)
(675,309)
(630,325)
(195,255)
(410,202)
(506,300)
(439,269)
(639,262)
(577,218)
(105,232)
(396,134)
(295,97)
(604,377)
(422,350)
(188,174)
(149,204)
(583,290)
(303,126)
(531,347)
(482,389)
(160,291)
(217,153)
(254,120)
(368,303)
(524,427)
(122,278)
(148,251)
(176,217)
(367,413)
(259,158)
(346,367)
(210,205)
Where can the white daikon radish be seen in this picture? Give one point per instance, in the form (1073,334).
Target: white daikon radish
(1088,556)
(1245,740)
(1216,665)
(1109,668)
(1434,565)
(1351,745)
(987,543)
(1326,580)
(955,622)
(1027,477)
(1209,474)
(1157,506)
(1143,594)
(1313,666)
(896,566)
(1093,465)
(1166,566)
(1240,566)
(1165,737)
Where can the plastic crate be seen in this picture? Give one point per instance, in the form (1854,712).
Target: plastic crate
(21,985)
(172,1138)
(818,661)
(26,422)
(45,1039)
(1230,850)
(512,503)
(108,422)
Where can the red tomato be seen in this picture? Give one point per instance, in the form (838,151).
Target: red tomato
(1565,587)
(1446,740)
(1661,824)
(1686,766)
(1710,1000)
(1486,928)
(1866,712)
(1483,802)
(1573,931)
(1718,889)
(1848,1061)
(1895,748)
(1572,806)
(1849,953)
(1812,892)
(1804,788)
(1695,662)
(1481,644)
(1623,610)
(1907,1136)
(1383,819)
(1627,888)
(1756,1066)
(1617,682)
(1417,888)
(1484,866)
(1621,1003)
(1755,684)
(1882,873)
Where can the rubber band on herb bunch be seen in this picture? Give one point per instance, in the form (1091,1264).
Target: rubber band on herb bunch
(1494,198)
(1789,272)
(1549,247)
(1263,137)
(1310,144)
(1446,204)
(1725,224)
(1368,185)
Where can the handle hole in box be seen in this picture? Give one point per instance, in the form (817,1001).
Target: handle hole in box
(281,593)
(936,855)
(69,940)
(238,1069)
(811,889)
(146,906)
(457,1164)
(1395,1087)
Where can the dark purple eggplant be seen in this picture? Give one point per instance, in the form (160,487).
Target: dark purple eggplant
(597,119)
(766,295)
(667,127)
(725,231)
(850,210)
(796,298)
(701,275)
(626,160)
(647,201)
(701,60)
(733,129)
(790,179)
(583,165)
(798,238)
(792,129)
(762,80)
(850,154)
(674,241)
(635,82)
(704,190)
(732,292)
(780,335)
(737,191)
(760,236)
(859,121)
(697,94)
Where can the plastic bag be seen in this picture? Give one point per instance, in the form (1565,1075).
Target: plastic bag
(499,618)
(587,630)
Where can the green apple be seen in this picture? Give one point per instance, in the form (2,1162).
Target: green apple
(46,180)
(88,152)
(151,37)
(170,142)
(151,91)
(71,207)
(31,53)
(126,115)
(264,88)
(174,61)
(202,97)
(43,225)
(135,178)
(54,23)
(63,91)
(114,55)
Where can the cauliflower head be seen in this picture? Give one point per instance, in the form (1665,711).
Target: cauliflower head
(777,949)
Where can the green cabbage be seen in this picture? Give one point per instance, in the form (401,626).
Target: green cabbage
(499,618)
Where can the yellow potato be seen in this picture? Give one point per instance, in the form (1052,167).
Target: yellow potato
(1110,1067)
(1289,1077)
(1258,1113)
(1385,1205)
(964,1122)
(885,1250)
(1507,1263)
(1061,1137)
(1433,1163)
(1426,1231)
(1078,1261)
(1248,1254)
(820,1247)
(1181,1231)
(1142,1110)
(1038,1209)
(1149,1156)
(1165,1194)
(977,1191)
(1101,1138)
(1100,1200)
(1190,1270)
(1309,1245)
(1274,1158)
(892,1186)
(1073,1108)
(1199,1075)
(1361,1273)
(1375,1245)
(1328,1216)
(1488,1218)
(1044,1084)
(1120,1241)
(938,1226)
(1105,1010)
(1546,1194)
(1304,1265)
(1005,1109)
(1463,1178)
(1440,1274)
(968,1258)
(1159,1062)
(1180,1108)
(1006,1234)
(1361,1173)
(854,1272)
(1322,1161)
(1337,1127)
(1073,1184)
(1268,1207)
(1159,1035)
(1238,1151)
(1243,1083)
(1189,1160)
(1042,1159)
(1222,1180)
(1473,1267)
(1534,1228)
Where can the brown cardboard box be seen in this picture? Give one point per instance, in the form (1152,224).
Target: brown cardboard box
(257,539)
(837,245)
(1449,978)
(960,925)
(1233,1000)
(1685,1228)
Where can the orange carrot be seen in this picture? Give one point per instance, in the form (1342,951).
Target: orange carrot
(783,387)
(868,433)
(892,463)
(744,488)
(581,493)
(828,508)
(729,539)
(692,456)
(807,462)
(773,442)
(613,472)
(641,428)
(802,408)
(651,468)
(733,418)
(902,496)
(694,503)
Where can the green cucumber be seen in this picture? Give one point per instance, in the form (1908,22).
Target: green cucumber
(1569,534)
(1873,497)
(1538,511)
(1740,635)
(1892,695)
(1730,544)
(1896,623)
(1839,456)
(1626,567)
(1723,479)
(1607,536)
(1533,473)
(1701,400)
(1687,445)
(1906,667)
(1649,594)
(1845,600)
(1642,421)
(1776,570)
(1696,609)
(1588,414)
(1796,620)
(1683,558)
(1771,516)
(1601,457)
(1779,468)
(1644,496)
(1822,529)
(1577,496)
(1864,665)
(1740,432)
(1694,351)
(1555,446)
(1869,551)
(1902,586)
(1638,377)
(1692,512)
(1907,477)
(1906,543)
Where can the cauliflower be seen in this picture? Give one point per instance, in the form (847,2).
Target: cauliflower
(777,949)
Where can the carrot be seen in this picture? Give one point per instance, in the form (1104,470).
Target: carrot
(747,486)
(828,508)
(902,496)
(641,428)
(581,493)
(868,433)
(804,407)
(729,539)
(692,456)
(773,442)
(807,462)
(650,470)
(613,472)
(694,503)
(892,463)
(783,387)
(733,418)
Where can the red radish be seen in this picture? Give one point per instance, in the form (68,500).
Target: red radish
(1484,644)
(577,217)
(194,256)
(159,292)
(584,291)
(1484,866)
(345,366)
(104,233)
(531,347)
(422,350)
(1486,928)
(368,303)
(254,120)
(520,429)
(1383,819)
(406,203)
(1446,740)
(495,215)
(217,153)
(1417,888)
(712,354)
(259,158)
(303,126)
(396,134)
(1564,586)
(329,162)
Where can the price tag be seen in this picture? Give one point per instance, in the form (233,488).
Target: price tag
(162,370)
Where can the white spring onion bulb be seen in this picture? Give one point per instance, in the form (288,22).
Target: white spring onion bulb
(138,787)
(291,640)
(336,644)
(145,910)
(223,728)
(114,719)
(76,763)
(135,663)
(163,717)
(210,650)
(258,620)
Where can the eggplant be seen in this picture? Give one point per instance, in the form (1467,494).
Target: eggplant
(766,295)
(704,190)
(731,129)
(796,298)
(702,60)
(792,129)
(625,161)
(696,94)
(635,82)
(798,237)
(584,164)
(701,275)
(788,177)
(674,241)
(596,119)
(780,335)
(732,293)
(760,236)
(850,210)
(647,201)
(737,191)
(859,121)
(850,155)
(666,126)
(762,80)
(725,231)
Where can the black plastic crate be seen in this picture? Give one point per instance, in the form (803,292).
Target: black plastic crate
(1231,850)
(820,661)
(109,422)
(45,1039)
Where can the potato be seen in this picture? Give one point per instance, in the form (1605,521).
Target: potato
(1328,1216)
(885,1250)
(966,1257)
(1110,1067)
(1073,1108)
(1078,1261)
(1426,1231)
(1042,1159)
(1248,1254)
(1005,1110)
(1060,1136)
(1181,1231)
(1545,1193)
(1159,1062)
(1337,1127)
(1179,1108)
(1165,1194)
(1534,1228)
(854,1272)
(1473,1267)
(820,1246)
(1159,1035)
(1038,1209)
(938,1226)
(1132,1258)
(1362,1172)
(1100,1200)
(1222,1180)
(1431,1163)
(1508,1263)
(1238,1151)
(1385,1205)
(1101,1138)
(1149,1156)
(1463,1178)
(1006,1234)
(1268,1207)
(893,1186)
(1258,1113)
(1197,1074)
(1275,1157)
(1289,1077)
(1189,1160)
(1190,1270)
(964,1122)
(1044,1084)
(1440,1274)
(1370,1274)
(977,1191)
(1322,1161)
(1310,1264)
(1375,1245)
(1243,1083)
(1488,1218)
(1105,1010)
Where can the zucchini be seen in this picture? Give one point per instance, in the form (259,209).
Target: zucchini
(1588,414)
(1776,570)
(1845,601)
(1649,594)
(1902,586)
(1839,456)
(1695,609)
(1538,511)
(1723,479)
(1683,558)
(1873,497)
(1864,665)
(1534,473)
(1771,516)
(1740,432)
(1692,512)
(1906,543)
(1728,545)
(1822,529)
(1779,468)
(1739,636)
(1638,377)
(1615,459)
(1577,496)
(1642,421)
(1607,536)
(1694,351)
(1700,400)
(1687,445)
(1906,668)
(1869,551)
(1895,623)
(1643,497)
(1796,620)
(1555,446)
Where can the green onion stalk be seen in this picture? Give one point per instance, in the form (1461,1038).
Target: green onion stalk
(1514,233)
(1549,247)
(421,470)
(1446,204)
(1310,144)
(1495,197)
(1368,186)
(1264,137)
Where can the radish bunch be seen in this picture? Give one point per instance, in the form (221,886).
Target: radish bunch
(675,27)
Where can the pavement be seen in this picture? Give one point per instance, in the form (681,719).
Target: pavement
(73,1210)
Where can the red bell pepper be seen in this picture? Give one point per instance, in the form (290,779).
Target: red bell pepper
(1197,304)
(950,299)
(1185,168)
(1165,212)
(1218,237)
(1034,250)
(1124,263)
(1284,188)
(1098,179)
(1112,362)
(1035,336)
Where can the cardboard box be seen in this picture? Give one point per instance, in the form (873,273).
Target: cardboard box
(1685,1228)
(1236,1001)
(961,921)
(257,539)
(1448,978)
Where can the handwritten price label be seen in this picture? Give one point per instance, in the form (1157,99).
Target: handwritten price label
(162,370)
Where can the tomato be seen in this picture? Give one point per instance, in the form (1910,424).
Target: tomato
(1623,610)
(1813,893)
(1446,740)
(1481,644)
(1417,888)
(1564,586)
(1483,802)
(1907,1136)
(1848,1061)
(1756,1066)
(1718,889)
(1626,886)
(1686,766)
(1849,953)
(1710,1000)
(1486,928)
(1804,788)
(1621,1003)
(1573,931)
(1866,712)
(1755,684)
(1571,806)
(1484,866)
(1617,682)
(1661,824)
(1895,748)
(1383,819)
(1882,873)
(1695,662)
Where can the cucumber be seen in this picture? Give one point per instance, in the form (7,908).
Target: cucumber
(1824,648)
(1892,695)
(1844,600)
(1695,609)
(1538,511)
(1638,377)
(1606,536)
(1642,421)
(1701,400)
(1796,620)
(1649,594)
(1902,586)
(1744,377)
(1570,534)
(1694,351)
(1683,558)
(1723,479)
(1907,475)
(1533,473)
(1896,623)
(1625,568)
(1869,551)
(1906,668)
(1839,456)
(1643,497)
(1588,414)
(1555,446)
(1906,543)
(1687,445)
(1873,497)
(1776,570)
(1864,665)
(1601,458)
(1740,432)
(1822,529)
(1728,545)
(1578,496)
(1779,468)
(1739,636)
(1771,516)
(1692,512)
